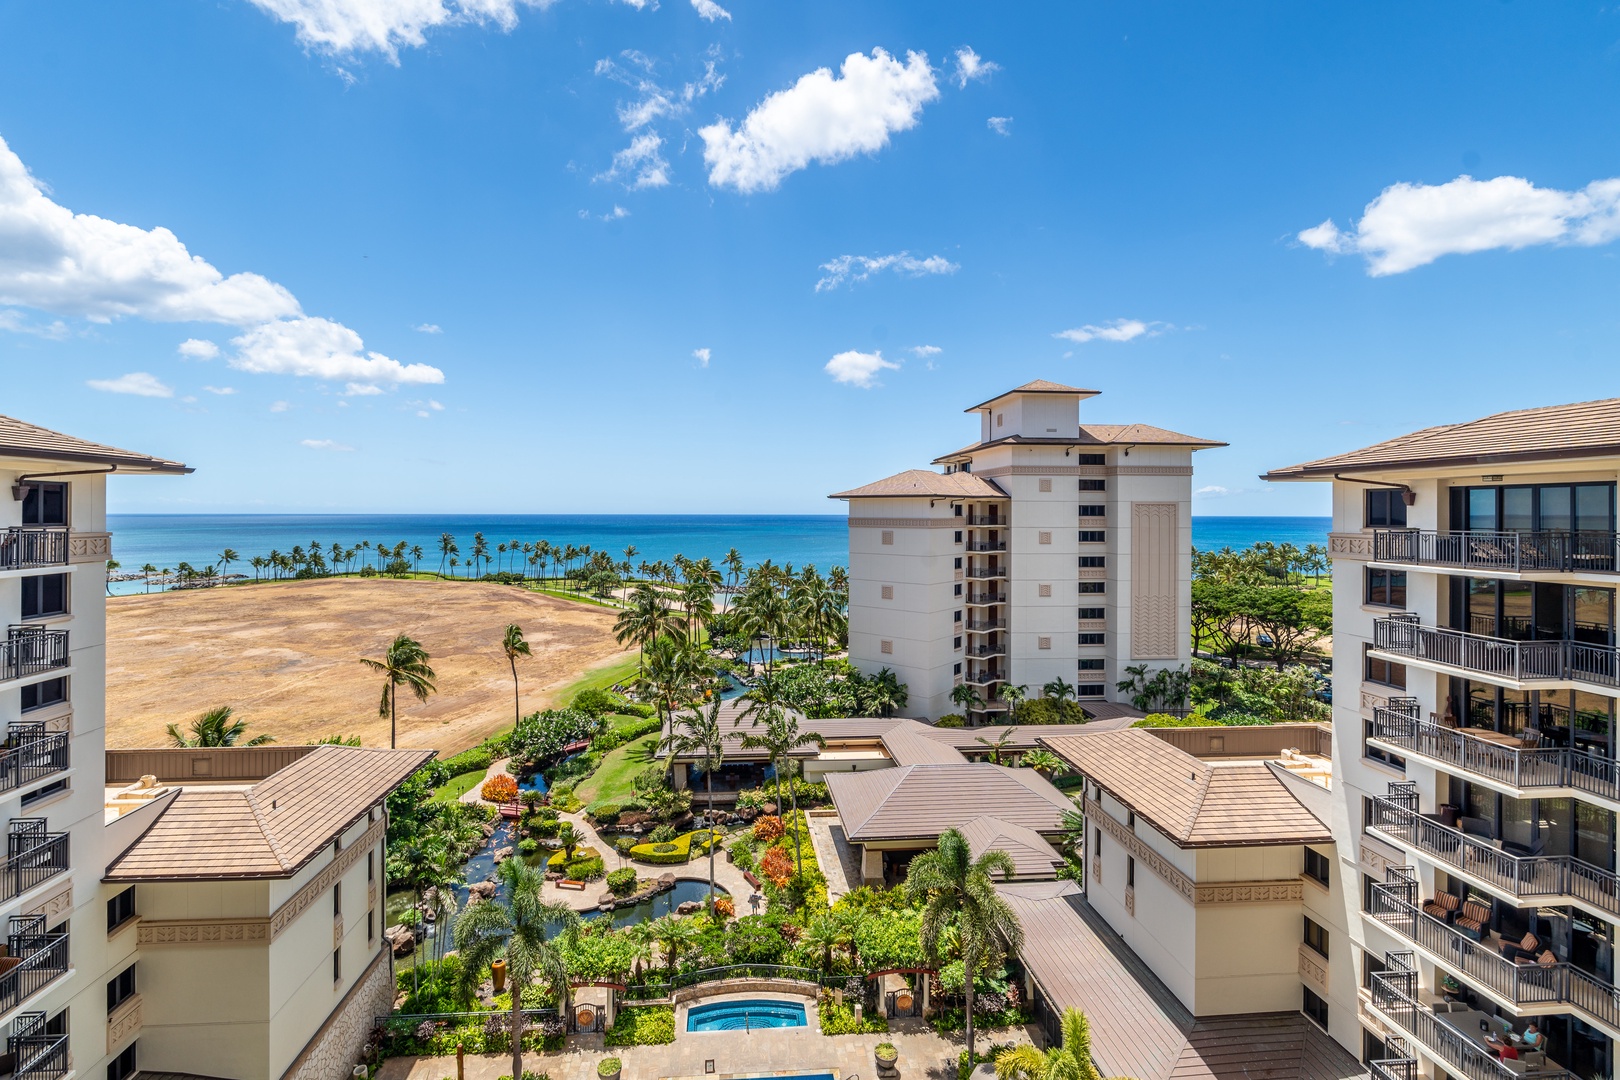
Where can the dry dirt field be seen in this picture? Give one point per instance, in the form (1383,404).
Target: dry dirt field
(286,657)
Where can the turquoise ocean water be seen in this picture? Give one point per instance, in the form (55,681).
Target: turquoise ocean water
(165,540)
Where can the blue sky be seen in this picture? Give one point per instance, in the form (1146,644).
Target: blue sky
(730,255)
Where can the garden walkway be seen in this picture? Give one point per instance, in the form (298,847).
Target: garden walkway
(839,861)
(496,768)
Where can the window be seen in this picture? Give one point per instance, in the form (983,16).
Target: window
(885,647)
(1043,643)
(1093,613)
(1091,639)
(122,1067)
(41,694)
(1043,590)
(1093,561)
(1370,965)
(958,565)
(1092,665)
(958,531)
(1089,690)
(958,617)
(1093,510)
(1044,483)
(1376,753)
(1386,508)
(1317,867)
(1383,672)
(1130,872)
(1092,536)
(887,537)
(44,595)
(1093,586)
(1000,419)
(1386,588)
(121,988)
(1316,937)
(337,965)
(45,792)
(958,670)
(1043,538)
(1091,459)
(1093,485)
(371,866)
(45,504)
(371,925)
(887,592)
(958,588)
(1316,1009)
(956,643)
(337,899)
(1130,820)
(1369,886)
(121,909)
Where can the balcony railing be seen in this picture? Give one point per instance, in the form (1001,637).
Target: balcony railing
(1537,878)
(1507,552)
(44,959)
(985,626)
(1521,661)
(29,650)
(985,599)
(23,548)
(31,753)
(986,572)
(987,545)
(36,1055)
(33,856)
(988,521)
(1525,769)
(987,650)
(985,678)
(1394,1069)
(1394,994)
(1532,986)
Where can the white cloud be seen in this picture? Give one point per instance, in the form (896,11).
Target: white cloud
(925,351)
(14,322)
(361,390)
(198,349)
(970,66)
(83,265)
(860,267)
(858,368)
(820,118)
(385,26)
(428,328)
(1411,225)
(710,10)
(435,406)
(139,383)
(640,165)
(423,413)
(282,406)
(223,391)
(325,444)
(701,356)
(616,214)
(1001,125)
(1116,330)
(1212,490)
(322,349)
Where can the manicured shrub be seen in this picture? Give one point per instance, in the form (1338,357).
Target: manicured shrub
(662,835)
(596,702)
(742,854)
(646,1025)
(678,850)
(528,845)
(768,829)
(604,813)
(951,720)
(622,882)
(499,788)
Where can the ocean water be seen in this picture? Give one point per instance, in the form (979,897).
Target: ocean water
(165,540)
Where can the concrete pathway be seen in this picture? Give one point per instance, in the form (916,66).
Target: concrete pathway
(496,768)
(839,863)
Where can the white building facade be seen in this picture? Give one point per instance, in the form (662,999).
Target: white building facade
(1049,549)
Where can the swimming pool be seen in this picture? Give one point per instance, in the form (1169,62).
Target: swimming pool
(745,1016)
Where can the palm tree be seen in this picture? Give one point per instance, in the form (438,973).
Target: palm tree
(675,934)
(644,620)
(967,696)
(1044,762)
(514,646)
(416,558)
(826,932)
(782,736)
(998,746)
(516,928)
(958,890)
(569,837)
(673,668)
(227,557)
(734,567)
(216,727)
(447,548)
(148,570)
(1058,690)
(405,662)
(1071,1060)
(700,736)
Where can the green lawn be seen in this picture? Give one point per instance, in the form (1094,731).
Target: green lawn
(611,780)
(457,786)
(622,670)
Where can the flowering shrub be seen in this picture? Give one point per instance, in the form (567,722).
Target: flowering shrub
(768,829)
(499,788)
(777,865)
(725,907)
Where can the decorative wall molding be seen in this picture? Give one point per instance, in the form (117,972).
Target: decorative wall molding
(1130,901)
(1094,573)
(1377,856)
(1029,470)
(1313,969)
(1371,701)
(1284,891)
(1093,624)
(1155,547)
(123,1023)
(337,930)
(284,915)
(153,932)
(89,547)
(58,903)
(1350,545)
(1150,470)
(1093,523)
(371,895)
(1139,850)
(908,523)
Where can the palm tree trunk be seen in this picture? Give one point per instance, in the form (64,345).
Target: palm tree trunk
(517,707)
(708,782)
(969,1018)
(798,843)
(393,715)
(517,1031)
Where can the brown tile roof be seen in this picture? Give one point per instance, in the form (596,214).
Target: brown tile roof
(1094,435)
(911,743)
(926,484)
(1584,429)
(1036,386)
(1033,858)
(20,439)
(1192,802)
(1138,1027)
(274,827)
(918,802)
(734,727)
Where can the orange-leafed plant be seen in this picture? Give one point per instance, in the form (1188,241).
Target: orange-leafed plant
(768,829)
(724,907)
(499,788)
(777,865)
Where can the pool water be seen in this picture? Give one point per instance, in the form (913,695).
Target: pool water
(745,1016)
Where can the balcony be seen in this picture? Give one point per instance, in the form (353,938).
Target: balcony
(985,626)
(33,857)
(1503,659)
(24,549)
(986,677)
(1557,987)
(1521,768)
(43,956)
(35,1054)
(1542,879)
(29,650)
(1394,994)
(1554,552)
(986,650)
(984,573)
(31,753)
(988,521)
(985,599)
(987,545)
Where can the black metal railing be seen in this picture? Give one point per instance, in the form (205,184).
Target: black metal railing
(1399,725)
(29,650)
(1521,661)
(1394,904)
(24,548)
(1394,993)
(1524,877)
(1393,1069)
(986,650)
(31,753)
(1510,552)
(44,958)
(985,626)
(987,545)
(983,678)
(985,598)
(982,572)
(33,856)
(988,521)
(35,1054)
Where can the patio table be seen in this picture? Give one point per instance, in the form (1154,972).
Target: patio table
(1496,737)
(1466,1023)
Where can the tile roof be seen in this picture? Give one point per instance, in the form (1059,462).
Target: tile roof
(1192,802)
(1036,386)
(1094,435)
(911,743)
(734,727)
(1023,736)
(925,483)
(272,828)
(918,802)
(20,439)
(1138,1027)
(1587,428)
(1033,858)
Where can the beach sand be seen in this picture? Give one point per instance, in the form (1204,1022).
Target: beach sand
(285,656)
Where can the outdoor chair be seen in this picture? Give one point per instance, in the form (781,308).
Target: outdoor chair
(1444,906)
(1526,947)
(1530,739)
(1472,919)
